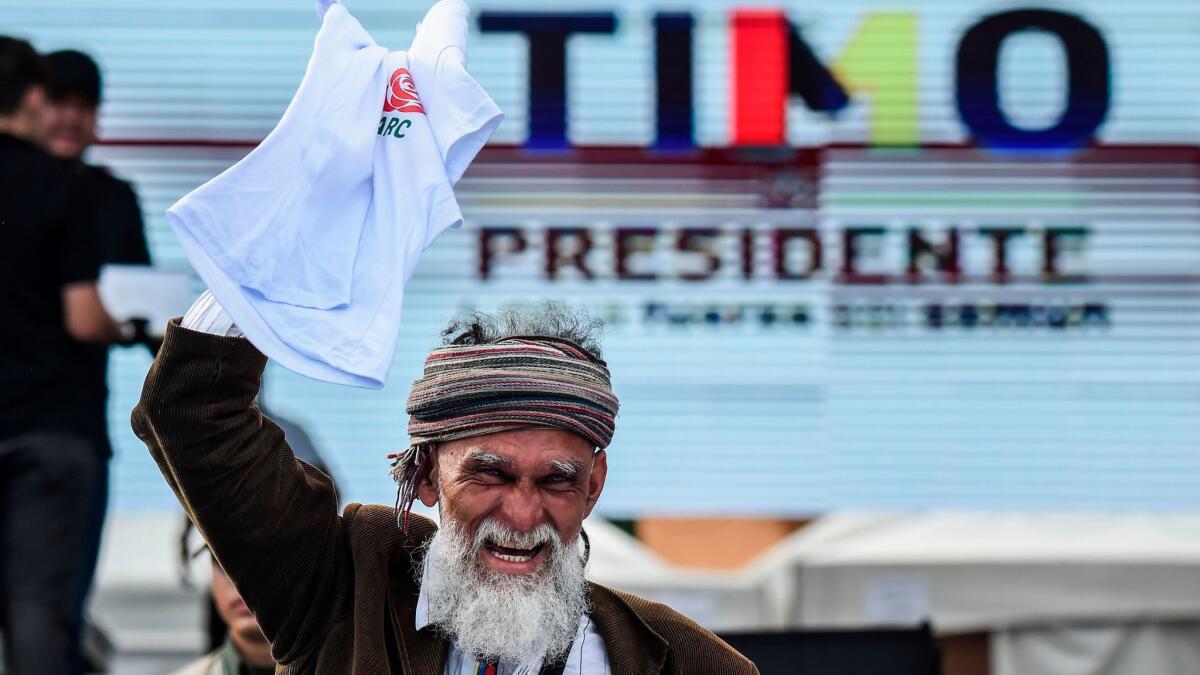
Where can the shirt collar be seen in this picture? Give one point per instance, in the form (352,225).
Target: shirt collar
(422,613)
(231,661)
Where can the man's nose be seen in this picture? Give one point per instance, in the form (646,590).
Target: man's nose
(522,509)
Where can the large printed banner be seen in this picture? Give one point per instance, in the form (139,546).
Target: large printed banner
(851,255)
(770,63)
(715,73)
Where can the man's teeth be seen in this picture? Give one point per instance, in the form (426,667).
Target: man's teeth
(513,558)
(508,551)
(508,543)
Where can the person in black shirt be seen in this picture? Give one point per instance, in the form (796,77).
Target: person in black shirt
(51,316)
(68,130)
(73,95)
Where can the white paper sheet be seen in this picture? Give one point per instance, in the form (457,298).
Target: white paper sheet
(143,292)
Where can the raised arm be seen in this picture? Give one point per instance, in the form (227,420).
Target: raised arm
(270,519)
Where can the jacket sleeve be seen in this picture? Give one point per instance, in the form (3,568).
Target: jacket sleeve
(270,520)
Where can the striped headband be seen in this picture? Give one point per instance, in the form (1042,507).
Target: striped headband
(517,383)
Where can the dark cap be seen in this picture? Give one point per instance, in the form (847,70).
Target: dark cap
(73,73)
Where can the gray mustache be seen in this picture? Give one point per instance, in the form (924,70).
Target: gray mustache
(496,532)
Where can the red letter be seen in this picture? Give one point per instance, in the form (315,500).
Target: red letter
(1000,237)
(945,255)
(782,237)
(554,258)
(630,240)
(489,248)
(699,241)
(850,238)
(747,253)
(1051,250)
(760,76)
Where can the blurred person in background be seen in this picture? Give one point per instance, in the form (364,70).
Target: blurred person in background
(246,650)
(241,649)
(237,643)
(235,639)
(514,467)
(51,459)
(73,96)
(68,130)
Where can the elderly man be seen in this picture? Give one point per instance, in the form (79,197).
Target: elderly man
(509,426)
(69,121)
(73,92)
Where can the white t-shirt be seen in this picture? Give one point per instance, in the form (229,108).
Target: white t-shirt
(309,240)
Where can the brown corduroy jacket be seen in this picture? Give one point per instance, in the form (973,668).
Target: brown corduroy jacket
(336,593)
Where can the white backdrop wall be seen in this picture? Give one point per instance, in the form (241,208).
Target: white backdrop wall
(1074,390)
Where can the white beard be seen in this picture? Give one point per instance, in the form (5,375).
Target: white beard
(516,619)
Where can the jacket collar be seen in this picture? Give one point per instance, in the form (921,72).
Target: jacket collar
(422,652)
(633,647)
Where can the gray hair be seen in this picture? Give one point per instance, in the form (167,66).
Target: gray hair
(553,319)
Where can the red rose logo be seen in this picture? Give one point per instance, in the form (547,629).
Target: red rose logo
(402,94)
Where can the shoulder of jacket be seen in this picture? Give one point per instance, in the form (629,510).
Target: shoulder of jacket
(693,647)
(376,525)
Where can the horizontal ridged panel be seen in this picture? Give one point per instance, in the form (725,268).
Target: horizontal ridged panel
(863,403)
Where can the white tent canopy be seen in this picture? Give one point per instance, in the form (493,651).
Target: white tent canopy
(718,600)
(754,598)
(613,552)
(984,571)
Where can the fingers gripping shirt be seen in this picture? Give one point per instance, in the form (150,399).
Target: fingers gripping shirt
(309,240)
